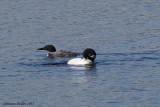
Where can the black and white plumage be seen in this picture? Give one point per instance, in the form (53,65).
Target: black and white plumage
(88,58)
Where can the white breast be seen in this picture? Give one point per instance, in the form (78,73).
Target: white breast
(79,61)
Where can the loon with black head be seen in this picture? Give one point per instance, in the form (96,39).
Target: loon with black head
(88,58)
(53,53)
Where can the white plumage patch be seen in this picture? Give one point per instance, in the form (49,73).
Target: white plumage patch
(92,56)
(79,61)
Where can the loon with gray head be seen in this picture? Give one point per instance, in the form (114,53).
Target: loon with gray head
(53,53)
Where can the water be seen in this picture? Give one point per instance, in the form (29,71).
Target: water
(124,34)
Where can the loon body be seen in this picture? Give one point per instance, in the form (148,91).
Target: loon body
(61,53)
(88,58)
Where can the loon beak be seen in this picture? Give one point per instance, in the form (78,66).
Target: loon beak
(40,49)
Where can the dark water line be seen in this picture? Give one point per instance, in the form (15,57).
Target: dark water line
(58,64)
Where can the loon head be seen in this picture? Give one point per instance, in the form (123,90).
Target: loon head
(49,48)
(89,54)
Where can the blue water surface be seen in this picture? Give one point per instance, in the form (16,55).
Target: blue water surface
(124,33)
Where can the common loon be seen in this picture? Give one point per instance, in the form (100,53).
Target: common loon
(88,58)
(61,53)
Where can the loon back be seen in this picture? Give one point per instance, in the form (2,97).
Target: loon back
(61,53)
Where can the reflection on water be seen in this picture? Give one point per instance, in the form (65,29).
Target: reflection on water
(84,67)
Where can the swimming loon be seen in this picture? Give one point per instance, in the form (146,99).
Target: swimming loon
(88,58)
(53,53)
